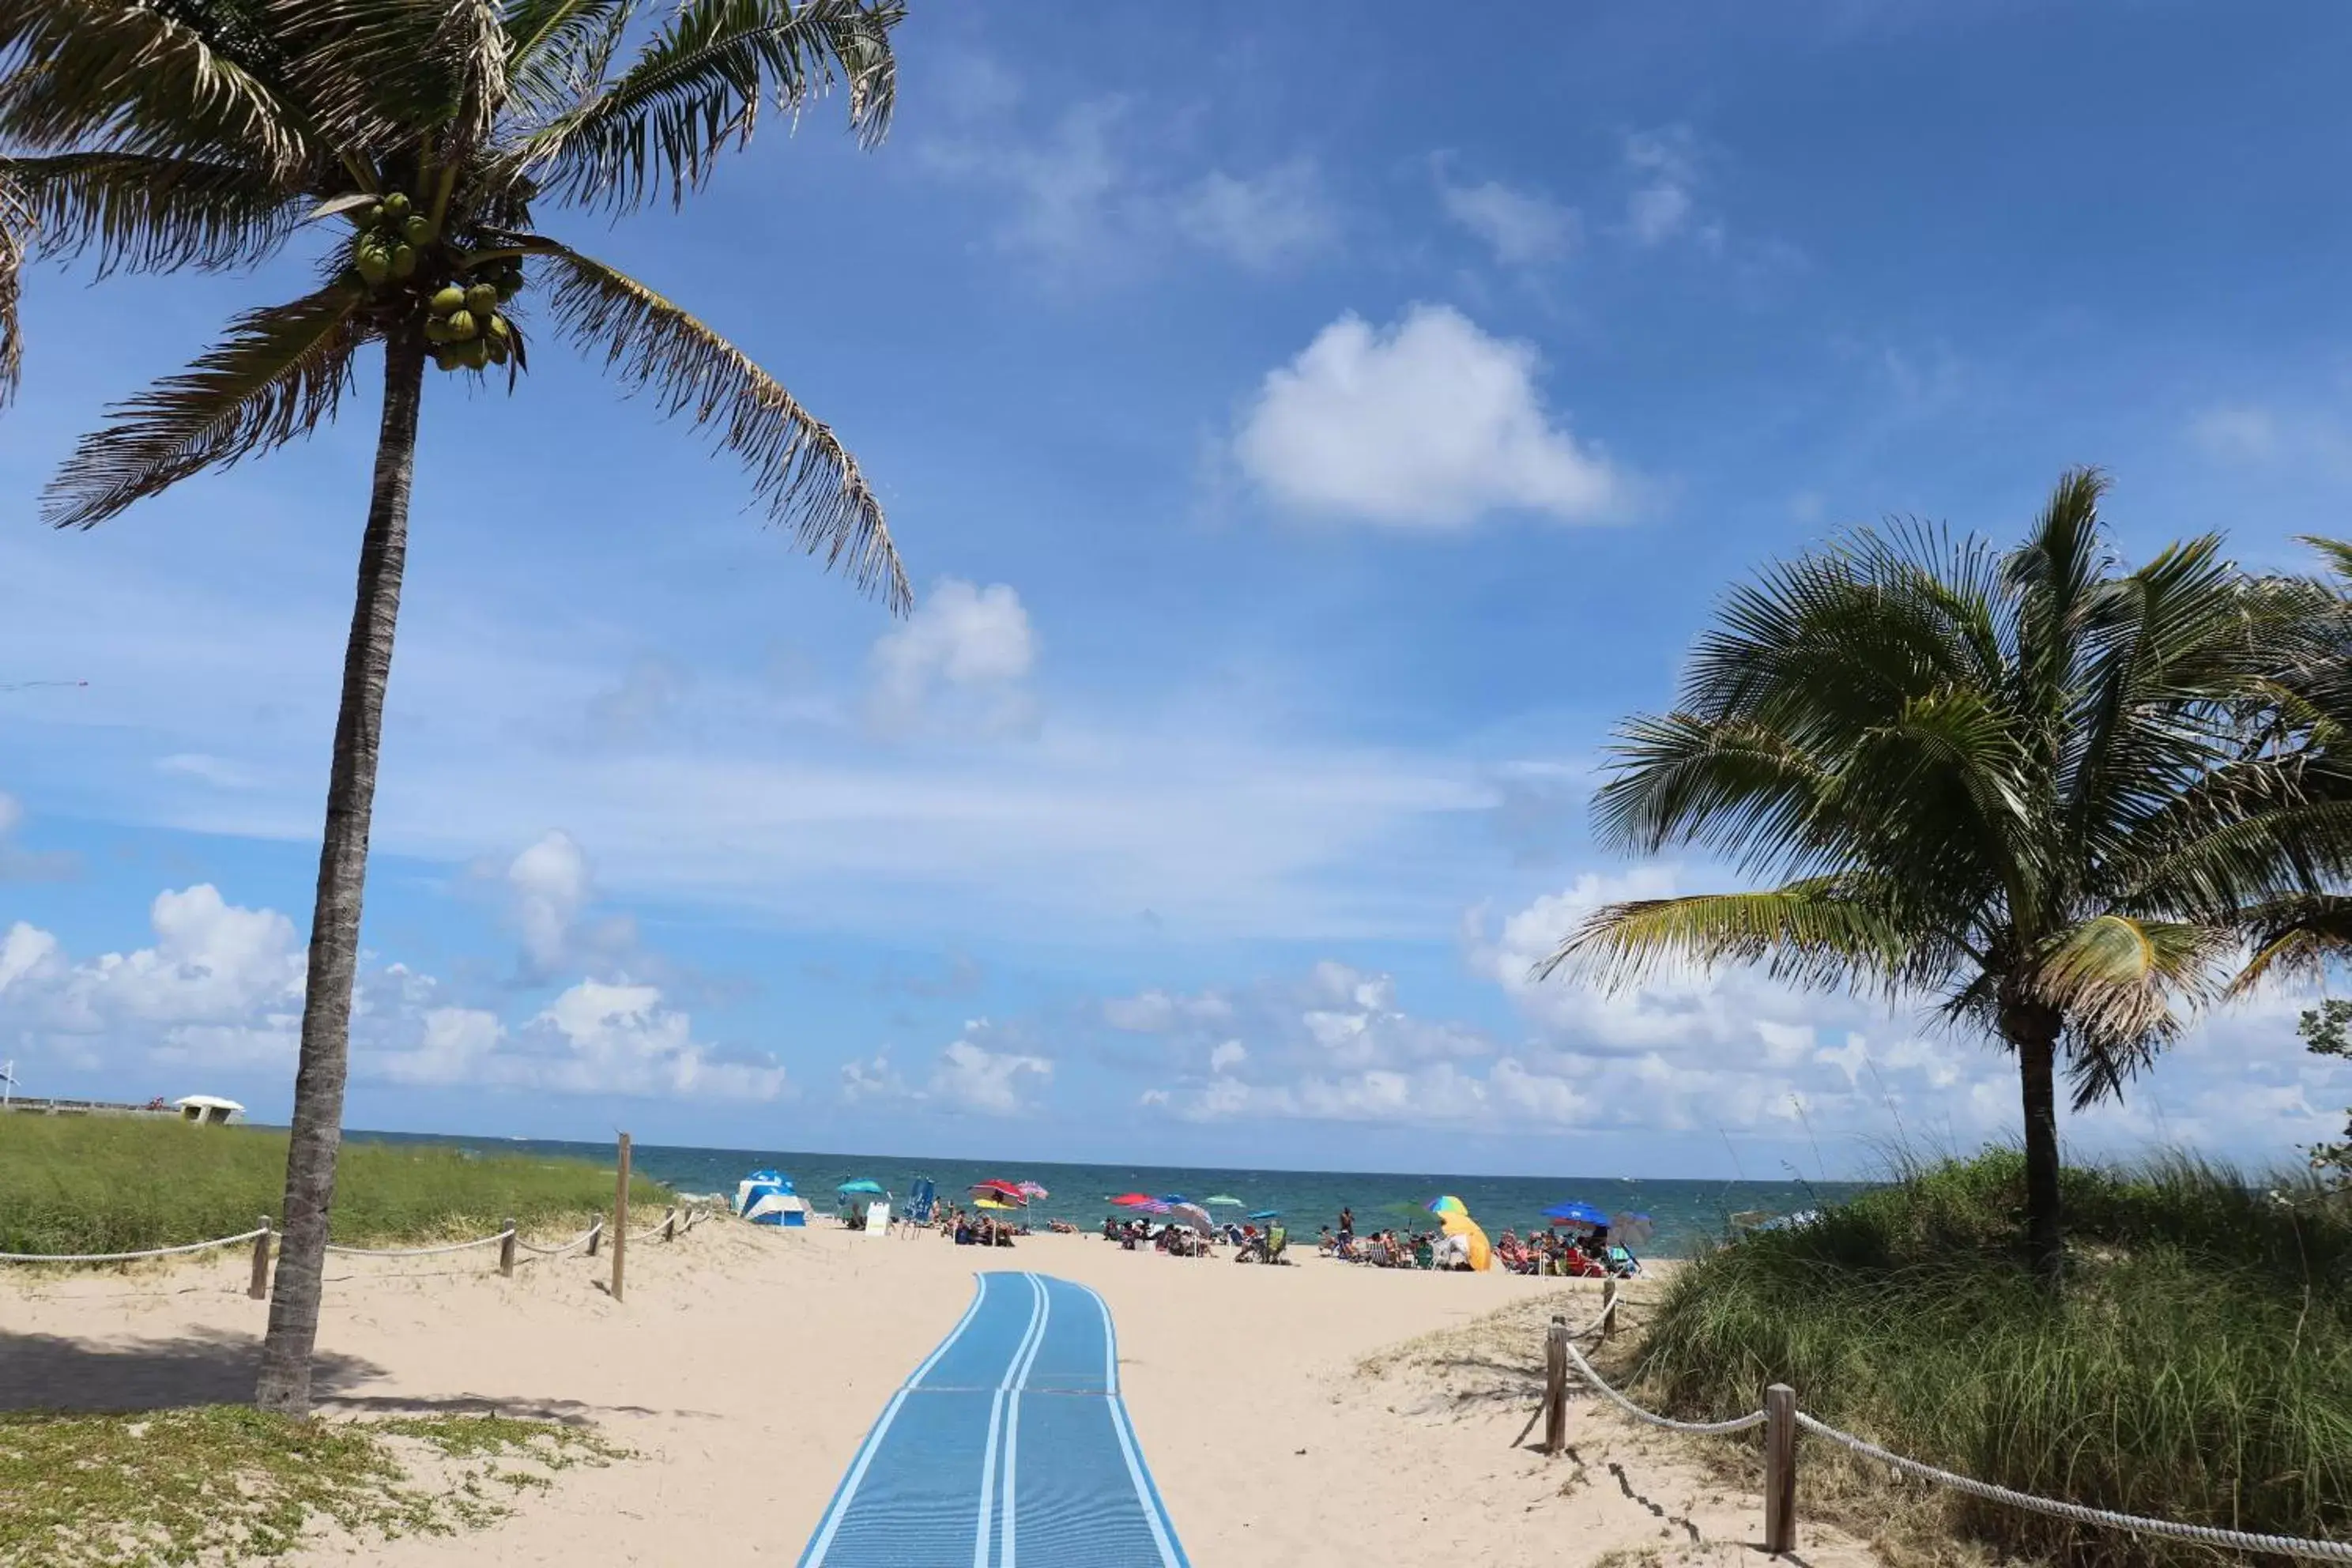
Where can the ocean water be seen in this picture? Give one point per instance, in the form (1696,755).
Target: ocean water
(1687,1213)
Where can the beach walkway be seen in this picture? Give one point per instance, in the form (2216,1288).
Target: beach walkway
(1009,1445)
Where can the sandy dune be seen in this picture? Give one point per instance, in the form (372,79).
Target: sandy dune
(745,1367)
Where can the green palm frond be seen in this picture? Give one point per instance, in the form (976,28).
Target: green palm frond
(696,88)
(146,214)
(801,474)
(1683,779)
(2268,834)
(279,373)
(2335,552)
(2298,937)
(2126,987)
(141,76)
(561,52)
(1813,933)
(2055,575)
(376,73)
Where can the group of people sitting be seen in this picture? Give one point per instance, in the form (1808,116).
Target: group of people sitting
(1591,1255)
(968,1229)
(1139,1235)
(1394,1249)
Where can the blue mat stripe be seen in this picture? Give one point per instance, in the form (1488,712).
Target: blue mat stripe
(1009,1441)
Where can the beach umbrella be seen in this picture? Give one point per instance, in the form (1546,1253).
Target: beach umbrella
(1174,1198)
(1575,1213)
(1266,1213)
(1449,1203)
(1152,1206)
(1194,1215)
(861,1185)
(1032,1190)
(1482,1252)
(1224,1201)
(994,1203)
(1005,1190)
(1132,1200)
(1633,1229)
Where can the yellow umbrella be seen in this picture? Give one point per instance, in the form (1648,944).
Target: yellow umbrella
(990,1203)
(1482,1254)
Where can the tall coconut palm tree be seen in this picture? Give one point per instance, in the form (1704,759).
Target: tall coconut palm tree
(2020,783)
(417,144)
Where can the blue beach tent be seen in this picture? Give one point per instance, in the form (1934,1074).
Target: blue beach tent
(921,1199)
(766,1197)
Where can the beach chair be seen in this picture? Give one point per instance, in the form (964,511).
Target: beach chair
(1277,1241)
(923,1203)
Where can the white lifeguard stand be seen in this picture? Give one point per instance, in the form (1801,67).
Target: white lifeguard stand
(208,1109)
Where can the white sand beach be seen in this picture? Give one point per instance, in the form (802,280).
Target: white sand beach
(1292,1415)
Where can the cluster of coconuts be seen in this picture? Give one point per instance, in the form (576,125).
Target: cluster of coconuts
(465,327)
(391,238)
(463,322)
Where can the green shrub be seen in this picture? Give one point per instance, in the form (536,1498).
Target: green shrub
(122,1184)
(2198,1366)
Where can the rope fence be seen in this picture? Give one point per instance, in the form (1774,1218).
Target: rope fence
(342,1251)
(512,1248)
(132,1257)
(1782,1420)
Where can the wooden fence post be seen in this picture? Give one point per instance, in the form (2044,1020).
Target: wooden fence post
(507,1250)
(1556,1386)
(596,1234)
(621,1220)
(259,1288)
(1609,1307)
(669,1224)
(1779,1469)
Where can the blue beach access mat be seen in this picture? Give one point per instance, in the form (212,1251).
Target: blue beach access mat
(1009,1445)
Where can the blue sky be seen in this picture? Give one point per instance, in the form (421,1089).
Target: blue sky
(1309,429)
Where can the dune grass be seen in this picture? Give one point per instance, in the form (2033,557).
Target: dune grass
(227,1483)
(2199,1366)
(121,1184)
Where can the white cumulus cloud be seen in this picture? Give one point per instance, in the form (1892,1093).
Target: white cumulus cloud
(970,1076)
(1429,424)
(964,654)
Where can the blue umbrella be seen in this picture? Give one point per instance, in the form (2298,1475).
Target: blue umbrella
(1575,1213)
(1267,1214)
(1174,1198)
(860,1185)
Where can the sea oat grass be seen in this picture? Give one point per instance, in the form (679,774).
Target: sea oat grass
(2197,1367)
(122,1184)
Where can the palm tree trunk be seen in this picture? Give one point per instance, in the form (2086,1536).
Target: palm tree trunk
(318,1080)
(2037,1053)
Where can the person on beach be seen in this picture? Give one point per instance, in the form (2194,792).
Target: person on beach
(1346,1223)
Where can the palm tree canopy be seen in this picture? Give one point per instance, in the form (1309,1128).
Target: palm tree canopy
(161,134)
(2304,932)
(2033,784)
